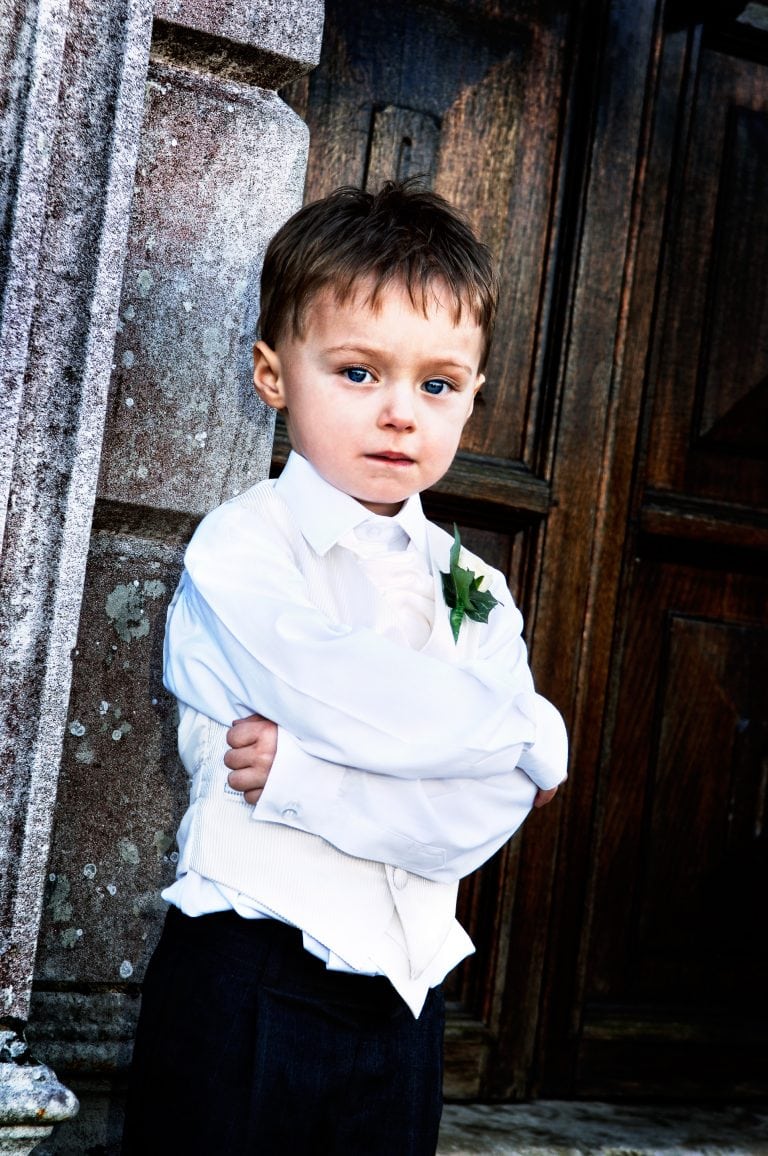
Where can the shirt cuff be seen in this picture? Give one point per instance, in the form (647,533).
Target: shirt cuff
(546,760)
(299,786)
(355,811)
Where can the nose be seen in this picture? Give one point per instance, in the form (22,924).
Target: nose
(398,410)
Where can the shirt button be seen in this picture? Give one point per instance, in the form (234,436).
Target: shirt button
(290,810)
(400,878)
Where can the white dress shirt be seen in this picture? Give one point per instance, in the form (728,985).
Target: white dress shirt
(410,757)
(244,636)
(399,572)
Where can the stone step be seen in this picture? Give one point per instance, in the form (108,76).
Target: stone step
(578,1128)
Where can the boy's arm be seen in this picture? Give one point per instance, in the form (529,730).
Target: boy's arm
(253,745)
(441,830)
(243,635)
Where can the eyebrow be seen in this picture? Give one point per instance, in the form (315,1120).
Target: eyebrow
(371,351)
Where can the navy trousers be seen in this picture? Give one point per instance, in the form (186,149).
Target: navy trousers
(248,1046)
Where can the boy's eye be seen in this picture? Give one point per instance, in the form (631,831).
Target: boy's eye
(358,375)
(436,385)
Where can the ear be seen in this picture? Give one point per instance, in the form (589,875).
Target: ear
(475,390)
(267,378)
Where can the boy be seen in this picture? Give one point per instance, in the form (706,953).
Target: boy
(293,1003)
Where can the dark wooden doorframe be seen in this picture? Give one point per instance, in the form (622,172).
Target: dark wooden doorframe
(608,317)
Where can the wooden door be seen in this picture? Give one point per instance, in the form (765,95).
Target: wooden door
(666,997)
(674,1001)
(613,471)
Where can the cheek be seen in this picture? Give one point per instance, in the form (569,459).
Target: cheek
(455,425)
(444,448)
(325,432)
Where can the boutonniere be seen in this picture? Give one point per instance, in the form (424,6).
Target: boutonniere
(462,593)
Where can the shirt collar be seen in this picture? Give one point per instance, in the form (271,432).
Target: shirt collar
(325,514)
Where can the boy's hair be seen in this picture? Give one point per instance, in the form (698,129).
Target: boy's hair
(404,235)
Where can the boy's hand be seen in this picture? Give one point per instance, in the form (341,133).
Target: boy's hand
(254,743)
(544,797)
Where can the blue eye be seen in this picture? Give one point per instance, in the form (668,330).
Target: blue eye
(357,374)
(435,386)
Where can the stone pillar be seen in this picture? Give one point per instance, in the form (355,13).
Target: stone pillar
(70,126)
(136,205)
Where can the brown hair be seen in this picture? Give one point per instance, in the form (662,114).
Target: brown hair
(404,234)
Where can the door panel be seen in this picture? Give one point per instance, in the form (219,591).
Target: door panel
(709,421)
(674,1001)
(679,952)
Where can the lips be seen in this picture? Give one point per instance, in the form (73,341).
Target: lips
(392,456)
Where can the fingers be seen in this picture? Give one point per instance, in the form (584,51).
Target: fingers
(250,760)
(238,759)
(253,745)
(251,782)
(248,780)
(544,797)
(253,796)
(244,732)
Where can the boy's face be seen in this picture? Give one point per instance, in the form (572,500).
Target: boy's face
(375,399)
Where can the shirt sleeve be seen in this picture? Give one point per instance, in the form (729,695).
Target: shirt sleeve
(441,829)
(243,635)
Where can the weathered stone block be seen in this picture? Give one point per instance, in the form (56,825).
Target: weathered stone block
(32,1101)
(121,789)
(221,167)
(285,37)
(85,65)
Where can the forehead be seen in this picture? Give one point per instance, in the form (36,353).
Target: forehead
(371,305)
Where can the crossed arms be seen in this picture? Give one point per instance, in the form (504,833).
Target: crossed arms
(392,753)
(253,742)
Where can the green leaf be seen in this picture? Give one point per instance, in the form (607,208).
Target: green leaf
(462,593)
(456,619)
(462,584)
(481,605)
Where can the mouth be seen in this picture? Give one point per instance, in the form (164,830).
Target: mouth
(392,457)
